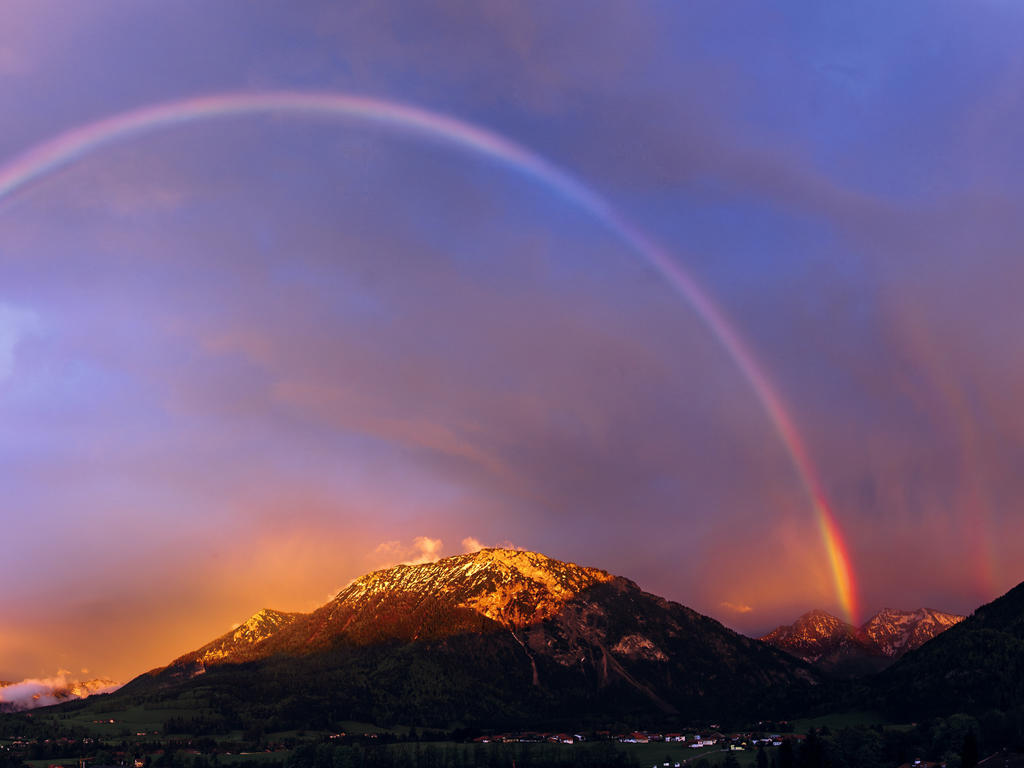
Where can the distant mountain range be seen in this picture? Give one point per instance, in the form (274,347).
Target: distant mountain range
(975,667)
(839,648)
(497,636)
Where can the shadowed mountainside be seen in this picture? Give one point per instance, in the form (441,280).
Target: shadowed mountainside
(974,667)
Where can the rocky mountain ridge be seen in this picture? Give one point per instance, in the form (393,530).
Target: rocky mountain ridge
(977,667)
(837,646)
(238,644)
(894,632)
(500,631)
(513,587)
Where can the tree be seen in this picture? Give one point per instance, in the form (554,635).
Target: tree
(969,753)
(812,751)
(786,757)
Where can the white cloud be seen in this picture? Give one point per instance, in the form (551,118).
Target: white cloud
(422,550)
(42,692)
(427,550)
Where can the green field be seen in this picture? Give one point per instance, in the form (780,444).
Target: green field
(838,720)
(132,719)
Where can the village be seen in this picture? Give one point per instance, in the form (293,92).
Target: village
(694,739)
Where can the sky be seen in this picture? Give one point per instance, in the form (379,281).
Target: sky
(248,357)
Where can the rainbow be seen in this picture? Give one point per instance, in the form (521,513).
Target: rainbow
(67,147)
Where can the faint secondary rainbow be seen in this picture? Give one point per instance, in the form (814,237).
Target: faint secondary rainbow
(67,147)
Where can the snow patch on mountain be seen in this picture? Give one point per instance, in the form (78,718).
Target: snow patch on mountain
(513,587)
(240,639)
(893,632)
(639,647)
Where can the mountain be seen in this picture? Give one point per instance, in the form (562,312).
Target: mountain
(841,649)
(814,637)
(235,646)
(974,667)
(80,689)
(496,636)
(893,633)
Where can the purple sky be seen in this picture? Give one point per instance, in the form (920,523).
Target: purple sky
(243,361)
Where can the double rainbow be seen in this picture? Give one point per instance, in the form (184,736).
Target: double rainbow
(67,147)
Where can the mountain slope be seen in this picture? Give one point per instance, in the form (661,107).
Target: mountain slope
(841,649)
(235,646)
(973,667)
(486,591)
(494,636)
(814,636)
(893,633)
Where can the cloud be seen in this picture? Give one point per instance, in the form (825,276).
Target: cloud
(736,607)
(15,324)
(388,548)
(422,550)
(429,550)
(472,544)
(42,692)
